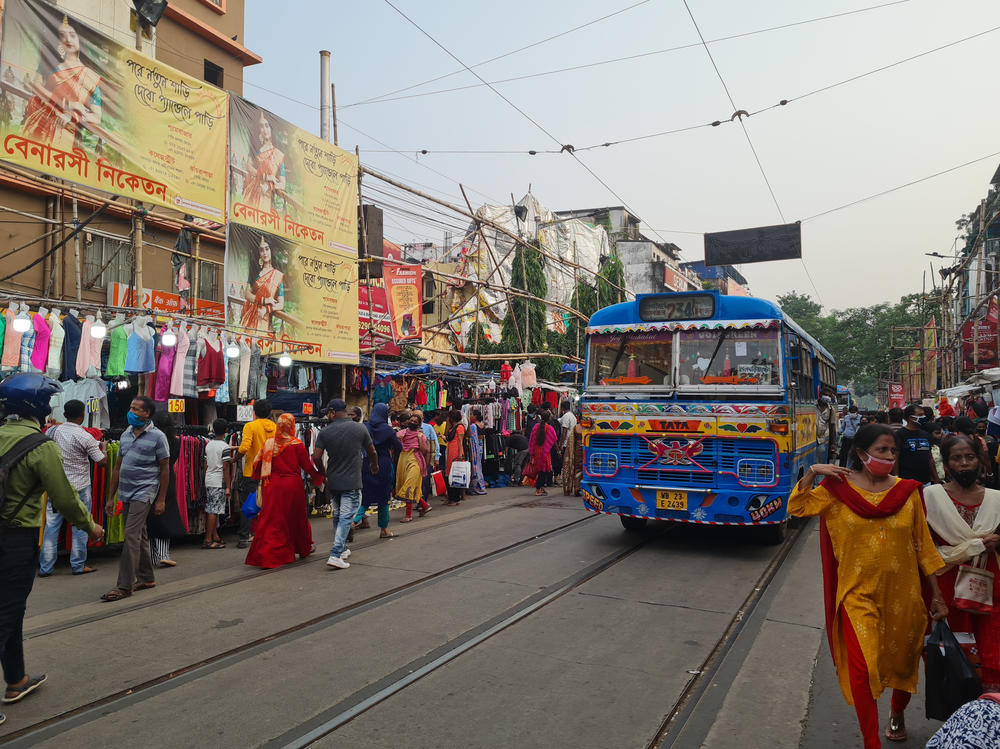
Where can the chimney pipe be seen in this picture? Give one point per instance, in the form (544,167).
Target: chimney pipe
(324,95)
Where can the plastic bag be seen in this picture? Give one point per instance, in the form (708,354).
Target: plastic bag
(460,474)
(950,678)
(250,508)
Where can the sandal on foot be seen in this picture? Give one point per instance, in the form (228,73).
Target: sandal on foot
(143,586)
(115,595)
(364,523)
(406,520)
(85,571)
(425,510)
(13,694)
(386,534)
(168,563)
(213,545)
(896,730)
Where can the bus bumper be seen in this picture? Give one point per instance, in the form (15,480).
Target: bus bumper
(722,507)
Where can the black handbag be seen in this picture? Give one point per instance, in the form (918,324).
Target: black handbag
(949,677)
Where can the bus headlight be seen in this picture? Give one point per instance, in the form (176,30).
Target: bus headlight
(602,464)
(754,471)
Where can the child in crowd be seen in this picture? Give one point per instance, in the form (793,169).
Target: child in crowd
(218,483)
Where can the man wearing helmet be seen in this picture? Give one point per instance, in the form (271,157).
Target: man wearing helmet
(24,399)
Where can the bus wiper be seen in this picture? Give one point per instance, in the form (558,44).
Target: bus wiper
(618,356)
(715,353)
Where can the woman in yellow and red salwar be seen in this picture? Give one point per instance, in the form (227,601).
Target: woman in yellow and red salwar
(70,97)
(875,546)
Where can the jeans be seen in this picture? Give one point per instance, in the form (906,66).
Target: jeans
(18,559)
(345,504)
(50,539)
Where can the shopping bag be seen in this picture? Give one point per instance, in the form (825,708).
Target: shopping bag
(460,474)
(950,678)
(530,471)
(440,486)
(250,508)
(974,587)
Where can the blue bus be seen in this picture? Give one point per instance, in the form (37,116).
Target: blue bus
(699,408)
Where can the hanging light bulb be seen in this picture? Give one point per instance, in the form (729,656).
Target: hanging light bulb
(22,322)
(232,349)
(169,338)
(285,360)
(98,329)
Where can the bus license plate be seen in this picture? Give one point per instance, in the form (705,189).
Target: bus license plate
(671,500)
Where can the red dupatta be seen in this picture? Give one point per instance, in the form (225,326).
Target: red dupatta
(843,492)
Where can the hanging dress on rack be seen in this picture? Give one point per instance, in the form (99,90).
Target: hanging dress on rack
(211,363)
(118,352)
(11,358)
(53,363)
(180,358)
(164,371)
(73,330)
(27,346)
(190,389)
(40,353)
(141,356)
(83,354)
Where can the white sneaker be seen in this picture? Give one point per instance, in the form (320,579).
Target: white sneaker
(345,554)
(337,562)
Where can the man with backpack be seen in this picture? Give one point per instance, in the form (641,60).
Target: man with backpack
(30,467)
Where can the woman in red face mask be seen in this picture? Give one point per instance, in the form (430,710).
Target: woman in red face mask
(875,546)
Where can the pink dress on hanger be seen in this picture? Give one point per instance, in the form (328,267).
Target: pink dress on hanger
(180,352)
(164,372)
(83,355)
(40,354)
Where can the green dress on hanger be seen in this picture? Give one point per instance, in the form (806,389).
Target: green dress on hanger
(116,356)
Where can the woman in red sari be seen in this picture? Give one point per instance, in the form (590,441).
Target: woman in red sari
(964,517)
(282,529)
(70,97)
(266,174)
(543,439)
(265,293)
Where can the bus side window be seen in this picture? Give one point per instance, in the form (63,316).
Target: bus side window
(807,387)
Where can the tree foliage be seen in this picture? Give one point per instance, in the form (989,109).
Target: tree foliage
(860,338)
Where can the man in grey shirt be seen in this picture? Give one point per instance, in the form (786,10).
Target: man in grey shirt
(343,441)
(140,478)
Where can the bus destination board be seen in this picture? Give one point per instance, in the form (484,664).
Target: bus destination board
(673,307)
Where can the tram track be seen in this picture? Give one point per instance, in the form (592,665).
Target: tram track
(315,558)
(671,728)
(39,731)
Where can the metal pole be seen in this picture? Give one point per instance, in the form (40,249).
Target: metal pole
(196,275)
(368,279)
(137,249)
(76,251)
(333,110)
(324,94)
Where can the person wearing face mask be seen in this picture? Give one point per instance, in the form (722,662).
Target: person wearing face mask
(964,517)
(914,447)
(876,547)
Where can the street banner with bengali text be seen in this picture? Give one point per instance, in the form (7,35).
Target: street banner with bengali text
(122,295)
(404,291)
(80,106)
(930,356)
(897,395)
(979,340)
(287,182)
(291,297)
(376,335)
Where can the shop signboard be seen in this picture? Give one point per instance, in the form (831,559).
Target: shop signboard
(979,341)
(404,291)
(756,245)
(86,109)
(675,280)
(291,297)
(376,335)
(167,302)
(287,182)
(897,395)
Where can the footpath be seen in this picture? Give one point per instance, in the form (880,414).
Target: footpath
(776,687)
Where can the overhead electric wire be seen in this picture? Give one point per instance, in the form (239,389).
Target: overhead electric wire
(384,98)
(746,133)
(517,108)
(714,123)
(508,54)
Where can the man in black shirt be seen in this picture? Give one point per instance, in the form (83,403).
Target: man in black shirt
(914,446)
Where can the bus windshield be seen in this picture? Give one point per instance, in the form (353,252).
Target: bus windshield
(729,357)
(642,359)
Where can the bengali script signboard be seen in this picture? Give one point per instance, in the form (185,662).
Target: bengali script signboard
(404,290)
(897,395)
(291,297)
(979,340)
(86,109)
(288,182)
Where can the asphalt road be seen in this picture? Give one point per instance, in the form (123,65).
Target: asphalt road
(509,621)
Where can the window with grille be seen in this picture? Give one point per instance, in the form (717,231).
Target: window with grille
(108,260)
(208,282)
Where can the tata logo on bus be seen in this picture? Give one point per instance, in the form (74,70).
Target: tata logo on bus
(674,426)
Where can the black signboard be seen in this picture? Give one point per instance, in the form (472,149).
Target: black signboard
(757,245)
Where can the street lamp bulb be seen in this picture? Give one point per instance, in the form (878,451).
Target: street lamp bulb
(232,350)
(285,360)
(22,322)
(169,339)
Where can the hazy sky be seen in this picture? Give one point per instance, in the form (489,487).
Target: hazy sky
(829,149)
